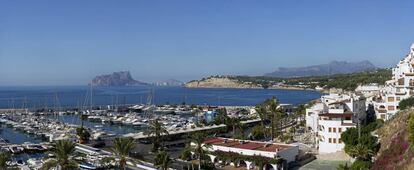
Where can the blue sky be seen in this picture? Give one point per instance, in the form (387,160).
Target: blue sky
(69,42)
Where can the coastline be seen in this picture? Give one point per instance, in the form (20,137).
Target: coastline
(271,88)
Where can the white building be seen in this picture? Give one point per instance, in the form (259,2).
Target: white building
(400,87)
(332,116)
(286,152)
(368,90)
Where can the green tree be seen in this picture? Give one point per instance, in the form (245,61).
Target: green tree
(221,117)
(186,153)
(162,160)
(300,112)
(406,103)
(63,151)
(350,136)
(361,152)
(121,148)
(156,130)
(198,139)
(272,106)
(83,134)
(262,113)
(258,132)
(235,124)
(4,158)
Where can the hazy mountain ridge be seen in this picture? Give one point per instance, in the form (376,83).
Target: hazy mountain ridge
(121,78)
(334,67)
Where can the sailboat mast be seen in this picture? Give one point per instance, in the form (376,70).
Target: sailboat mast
(91,104)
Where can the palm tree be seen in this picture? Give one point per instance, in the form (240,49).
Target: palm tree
(262,113)
(162,160)
(235,124)
(156,130)
(276,120)
(63,150)
(300,112)
(361,152)
(198,139)
(186,153)
(4,157)
(121,148)
(221,117)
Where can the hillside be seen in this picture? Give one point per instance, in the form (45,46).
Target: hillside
(343,81)
(220,82)
(334,67)
(396,151)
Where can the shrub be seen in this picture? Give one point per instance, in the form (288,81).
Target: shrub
(361,165)
(411,129)
(406,103)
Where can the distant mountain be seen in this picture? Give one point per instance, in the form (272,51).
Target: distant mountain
(170,82)
(122,78)
(334,67)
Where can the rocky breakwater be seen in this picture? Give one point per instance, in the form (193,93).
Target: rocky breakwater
(220,82)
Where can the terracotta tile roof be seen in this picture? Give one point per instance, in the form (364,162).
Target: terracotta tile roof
(249,145)
(213,140)
(272,148)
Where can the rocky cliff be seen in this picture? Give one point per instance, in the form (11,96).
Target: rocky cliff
(122,78)
(219,82)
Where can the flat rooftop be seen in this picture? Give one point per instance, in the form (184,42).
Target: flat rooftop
(246,144)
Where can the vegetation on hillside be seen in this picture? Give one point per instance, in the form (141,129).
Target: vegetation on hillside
(343,81)
(406,103)
(361,144)
(397,143)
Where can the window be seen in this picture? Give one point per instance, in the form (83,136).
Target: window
(334,130)
(334,140)
(340,130)
(390,107)
(329,129)
(398,98)
(390,99)
(339,140)
(330,140)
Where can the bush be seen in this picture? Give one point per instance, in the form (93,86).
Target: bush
(411,129)
(361,165)
(406,103)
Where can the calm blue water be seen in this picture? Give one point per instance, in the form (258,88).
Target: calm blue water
(17,137)
(116,129)
(73,96)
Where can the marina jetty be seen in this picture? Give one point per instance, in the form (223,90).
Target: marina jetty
(104,124)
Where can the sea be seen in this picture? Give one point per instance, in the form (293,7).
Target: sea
(37,97)
(33,97)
